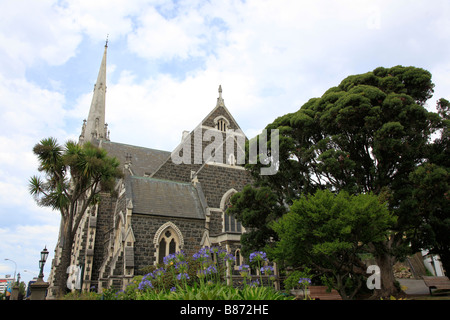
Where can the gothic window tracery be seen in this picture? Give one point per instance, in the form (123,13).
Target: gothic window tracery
(167,244)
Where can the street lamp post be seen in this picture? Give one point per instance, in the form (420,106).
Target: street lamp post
(39,288)
(44,255)
(15,269)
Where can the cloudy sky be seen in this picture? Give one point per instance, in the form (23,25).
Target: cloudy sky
(166,60)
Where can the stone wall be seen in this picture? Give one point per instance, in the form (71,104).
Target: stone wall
(145,228)
(217,180)
(105,225)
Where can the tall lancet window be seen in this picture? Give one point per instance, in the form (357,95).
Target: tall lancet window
(230,222)
(222,125)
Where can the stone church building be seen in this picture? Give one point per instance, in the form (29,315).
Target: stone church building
(162,205)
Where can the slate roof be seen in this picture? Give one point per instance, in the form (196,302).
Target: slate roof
(165,198)
(144,161)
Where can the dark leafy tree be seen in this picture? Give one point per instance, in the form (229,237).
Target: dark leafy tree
(256,208)
(368,134)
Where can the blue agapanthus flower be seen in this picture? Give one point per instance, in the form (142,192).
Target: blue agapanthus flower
(181,266)
(202,254)
(304,281)
(170,259)
(244,270)
(268,270)
(229,257)
(182,276)
(145,284)
(258,256)
(211,269)
(158,273)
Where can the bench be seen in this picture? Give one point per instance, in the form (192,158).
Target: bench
(321,293)
(438,283)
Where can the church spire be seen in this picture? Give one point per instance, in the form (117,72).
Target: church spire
(95,126)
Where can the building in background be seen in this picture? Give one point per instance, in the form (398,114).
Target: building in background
(6,285)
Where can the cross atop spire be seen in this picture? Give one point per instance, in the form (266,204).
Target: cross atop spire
(95,126)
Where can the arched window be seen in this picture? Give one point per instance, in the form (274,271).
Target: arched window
(167,244)
(237,255)
(230,222)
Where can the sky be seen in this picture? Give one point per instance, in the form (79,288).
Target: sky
(166,60)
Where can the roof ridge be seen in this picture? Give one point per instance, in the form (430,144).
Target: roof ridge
(132,145)
(161,180)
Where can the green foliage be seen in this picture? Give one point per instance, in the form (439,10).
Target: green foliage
(256,208)
(85,167)
(291,281)
(331,227)
(330,231)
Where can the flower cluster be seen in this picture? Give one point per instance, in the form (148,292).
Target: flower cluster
(155,276)
(258,256)
(173,258)
(202,255)
(145,284)
(268,270)
(210,266)
(304,281)
(183,276)
(244,270)
(202,273)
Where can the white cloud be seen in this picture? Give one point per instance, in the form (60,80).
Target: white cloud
(23,245)
(34,31)
(161,38)
(28,110)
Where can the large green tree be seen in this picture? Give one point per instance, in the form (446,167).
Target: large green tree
(331,233)
(368,134)
(74,175)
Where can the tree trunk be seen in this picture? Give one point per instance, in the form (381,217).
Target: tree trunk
(66,253)
(388,288)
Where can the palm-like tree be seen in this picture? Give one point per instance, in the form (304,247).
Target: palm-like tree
(74,175)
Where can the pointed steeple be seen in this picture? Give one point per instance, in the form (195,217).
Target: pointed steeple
(95,127)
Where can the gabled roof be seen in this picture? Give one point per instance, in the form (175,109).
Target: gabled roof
(220,110)
(144,161)
(164,198)
(183,172)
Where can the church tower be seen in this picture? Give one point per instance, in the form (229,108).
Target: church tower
(95,128)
